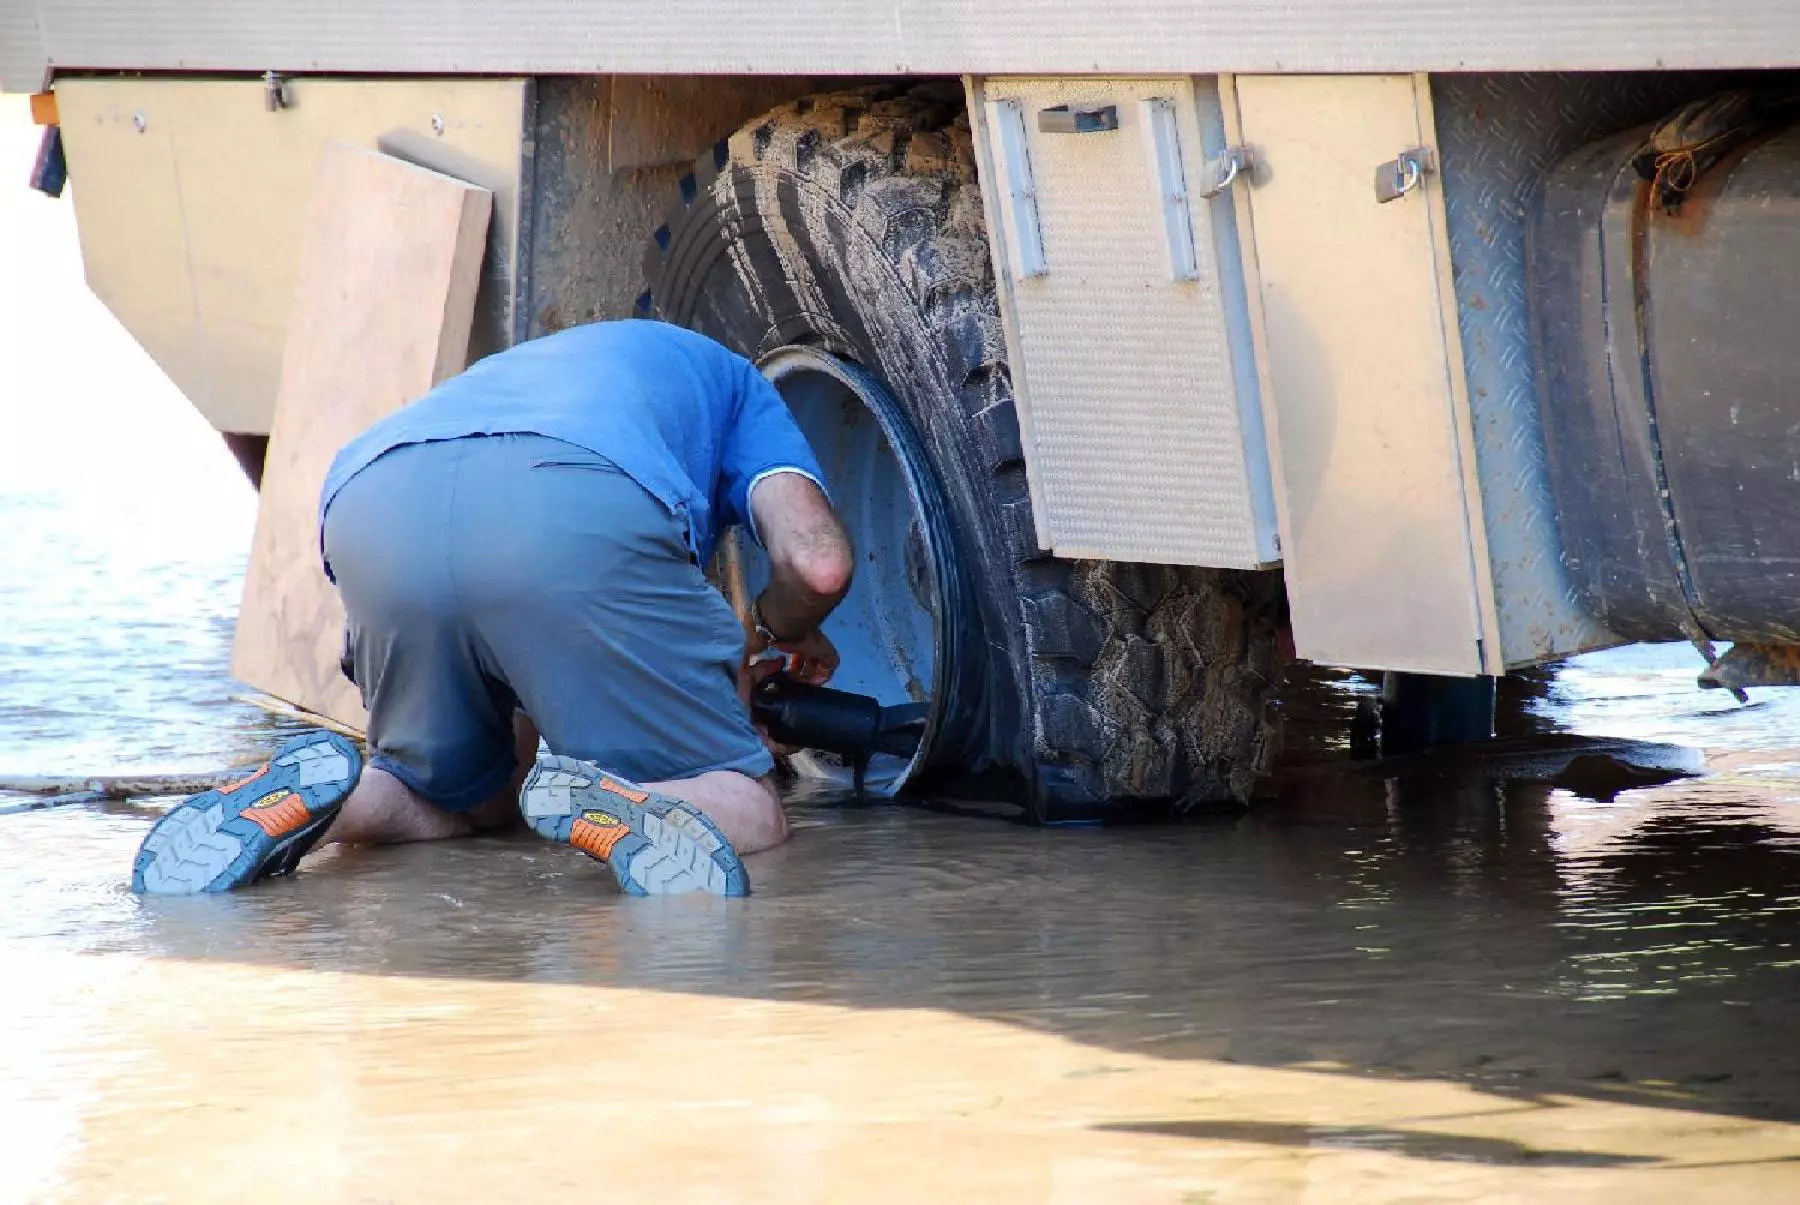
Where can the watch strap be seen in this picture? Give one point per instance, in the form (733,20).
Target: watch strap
(761,625)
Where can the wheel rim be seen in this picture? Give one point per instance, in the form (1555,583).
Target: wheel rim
(900,627)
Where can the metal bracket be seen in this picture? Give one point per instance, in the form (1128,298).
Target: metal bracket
(1752,665)
(276,94)
(1237,162)
(1008,122)
(1061,119)
(1162,125)
(1403,174)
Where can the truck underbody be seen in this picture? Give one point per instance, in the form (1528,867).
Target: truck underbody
(1129,366)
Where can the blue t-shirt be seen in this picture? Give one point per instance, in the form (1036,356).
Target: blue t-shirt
(693,423)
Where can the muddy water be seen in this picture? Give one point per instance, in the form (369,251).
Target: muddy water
(1430,982)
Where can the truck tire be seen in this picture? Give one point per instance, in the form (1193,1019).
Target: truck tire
(852,223)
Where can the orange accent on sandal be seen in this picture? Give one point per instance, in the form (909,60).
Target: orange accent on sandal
(596,840)
(244,782)
(607,784)
(278,813)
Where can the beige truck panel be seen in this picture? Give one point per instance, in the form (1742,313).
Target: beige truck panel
(1368,416)
(191,196)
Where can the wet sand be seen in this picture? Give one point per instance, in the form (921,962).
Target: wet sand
(1396,984)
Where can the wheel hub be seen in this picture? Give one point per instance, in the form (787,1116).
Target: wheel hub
(896,630)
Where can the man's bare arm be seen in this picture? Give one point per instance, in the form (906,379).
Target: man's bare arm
(809,556)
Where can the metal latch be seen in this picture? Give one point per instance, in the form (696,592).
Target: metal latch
(276,93)
(1234,162)
(1094,119)
(1403,173)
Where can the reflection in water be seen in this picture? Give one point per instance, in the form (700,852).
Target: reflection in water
(1462,978)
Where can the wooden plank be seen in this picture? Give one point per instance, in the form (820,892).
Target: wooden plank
(382,310)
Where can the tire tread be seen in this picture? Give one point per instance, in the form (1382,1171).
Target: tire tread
(1141,681)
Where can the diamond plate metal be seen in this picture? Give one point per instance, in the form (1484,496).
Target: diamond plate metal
(1137,446)
(1497,135)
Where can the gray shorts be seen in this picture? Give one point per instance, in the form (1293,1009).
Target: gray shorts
(501,571)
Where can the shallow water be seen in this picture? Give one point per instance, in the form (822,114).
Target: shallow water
(1378,988)
(124,524)
(1449,978)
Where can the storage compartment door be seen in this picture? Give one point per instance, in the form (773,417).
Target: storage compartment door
(1367,410)
(1126,321)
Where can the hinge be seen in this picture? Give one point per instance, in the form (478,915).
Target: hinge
(276,93)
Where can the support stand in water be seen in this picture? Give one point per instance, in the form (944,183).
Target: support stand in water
(1420,711)
(855,727)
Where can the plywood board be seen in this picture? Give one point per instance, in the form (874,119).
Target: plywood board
(390,262)
(1363,380)
(192,201)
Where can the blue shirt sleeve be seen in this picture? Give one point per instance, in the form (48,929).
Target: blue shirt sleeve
(763,438)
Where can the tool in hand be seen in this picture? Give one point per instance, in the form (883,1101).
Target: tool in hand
(855,727)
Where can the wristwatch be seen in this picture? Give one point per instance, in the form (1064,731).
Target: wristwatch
(763,631)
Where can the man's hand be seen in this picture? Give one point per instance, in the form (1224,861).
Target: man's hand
(751,674)
(812,658)
(810,565)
